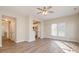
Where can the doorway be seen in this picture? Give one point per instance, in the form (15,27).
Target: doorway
(36,28)
(8,31)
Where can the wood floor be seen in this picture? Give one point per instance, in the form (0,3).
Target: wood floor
(39,46)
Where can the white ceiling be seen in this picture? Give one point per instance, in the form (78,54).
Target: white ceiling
(59,11)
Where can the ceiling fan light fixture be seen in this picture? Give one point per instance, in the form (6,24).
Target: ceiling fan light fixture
(44,12)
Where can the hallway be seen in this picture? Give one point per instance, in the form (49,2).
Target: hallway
(39,46)
(7,43)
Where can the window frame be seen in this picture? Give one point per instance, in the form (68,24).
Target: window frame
(59,30)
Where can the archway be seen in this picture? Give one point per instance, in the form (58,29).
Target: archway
(36,28)
(8,31)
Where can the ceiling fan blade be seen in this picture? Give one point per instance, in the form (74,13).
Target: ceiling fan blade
(38,12)
(49,7)
(39,9)
(50,11)
(44,7)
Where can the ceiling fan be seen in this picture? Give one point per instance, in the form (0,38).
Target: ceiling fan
(45,10)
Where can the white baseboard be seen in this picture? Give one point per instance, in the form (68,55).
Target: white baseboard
(31,40)
(63,39)
(20,41)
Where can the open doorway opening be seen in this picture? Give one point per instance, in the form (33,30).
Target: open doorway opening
(8,31)
(36,28)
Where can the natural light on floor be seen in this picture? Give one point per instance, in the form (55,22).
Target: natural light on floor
(65,48)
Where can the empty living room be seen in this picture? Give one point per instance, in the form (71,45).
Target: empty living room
(39,29)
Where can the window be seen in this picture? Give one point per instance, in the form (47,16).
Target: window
(58,29)
(54,29)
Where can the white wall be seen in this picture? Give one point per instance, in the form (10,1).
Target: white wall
(0,34)
(22,29)
(78,28)
(71,28)
(31,31)
(42,29)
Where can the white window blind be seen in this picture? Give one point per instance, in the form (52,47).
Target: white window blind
(58,29)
